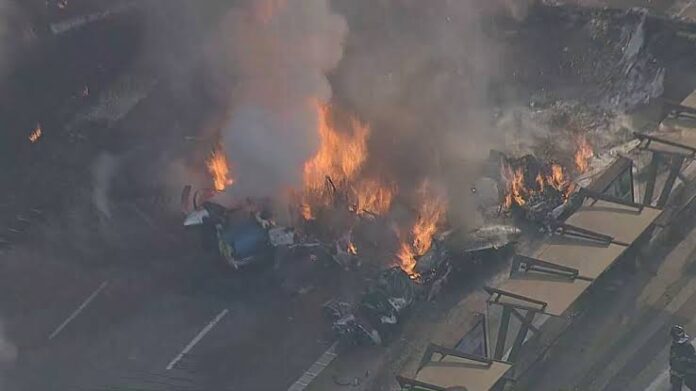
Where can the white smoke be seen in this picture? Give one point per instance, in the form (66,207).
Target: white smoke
(278,53)
(8,355)
(16,34)
(103,172)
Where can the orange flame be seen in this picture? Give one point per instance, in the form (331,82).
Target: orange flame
(219,169)
(430,213)
(340,157)
(352,248)
(373,196)
(407,259)
(518,193)
(583,154)
(35,134)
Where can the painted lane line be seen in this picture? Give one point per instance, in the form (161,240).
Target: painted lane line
(78,310)
(197,338)
(322,362)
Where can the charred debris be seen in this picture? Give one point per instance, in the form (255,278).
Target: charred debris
(537,192)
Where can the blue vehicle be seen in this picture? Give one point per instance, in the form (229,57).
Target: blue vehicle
(243,242)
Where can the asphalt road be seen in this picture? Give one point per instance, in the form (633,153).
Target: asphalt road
(162,317)
(132,302)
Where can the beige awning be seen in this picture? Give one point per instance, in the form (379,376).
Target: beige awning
(455,371)
(690,100)
(621,222)
(558,293)
(680,130)
(590,258)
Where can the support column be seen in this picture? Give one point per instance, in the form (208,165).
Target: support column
(502,333)
(652,176)
(675,168)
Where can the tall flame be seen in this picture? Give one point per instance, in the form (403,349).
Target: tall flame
(583,154)
(373,196)
(340,158)
(430,213)
(219,169)
(340,155)
(517,191)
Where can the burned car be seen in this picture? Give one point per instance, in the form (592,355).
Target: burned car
(242,235)
(378,311)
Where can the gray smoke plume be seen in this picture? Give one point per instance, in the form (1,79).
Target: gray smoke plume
(103,172)
(278,54)
(16,34)
(421,74)
(8,354)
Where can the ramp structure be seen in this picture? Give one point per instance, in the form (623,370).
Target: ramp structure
(441,369)
(549,280)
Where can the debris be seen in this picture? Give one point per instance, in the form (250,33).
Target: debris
(535,188)
(349,328)
(197,217)
(281,236)
(35,134)
(490,237)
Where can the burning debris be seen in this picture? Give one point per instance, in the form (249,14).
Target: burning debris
(35,135)
(219,169)
(431,212)
(583,154)
(332,177)
(537,188)
(541,189)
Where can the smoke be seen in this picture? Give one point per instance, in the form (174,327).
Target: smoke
(278,54)
(8,354)
(422,74)
(14,31)
(103,171)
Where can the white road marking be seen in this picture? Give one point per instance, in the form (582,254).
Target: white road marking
(661,382)
(322,362)
(197,338)
(78,310)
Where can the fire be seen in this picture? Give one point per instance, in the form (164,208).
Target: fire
(219,169)
(373,196)
(339,158)
(407,259)
(583,154)
(35,134)
(557,179)
(430,213)
(352,248)
(518,193)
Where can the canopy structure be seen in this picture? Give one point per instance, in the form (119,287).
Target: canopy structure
(670,145)
(550,279)
(442,368)
(623,223)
